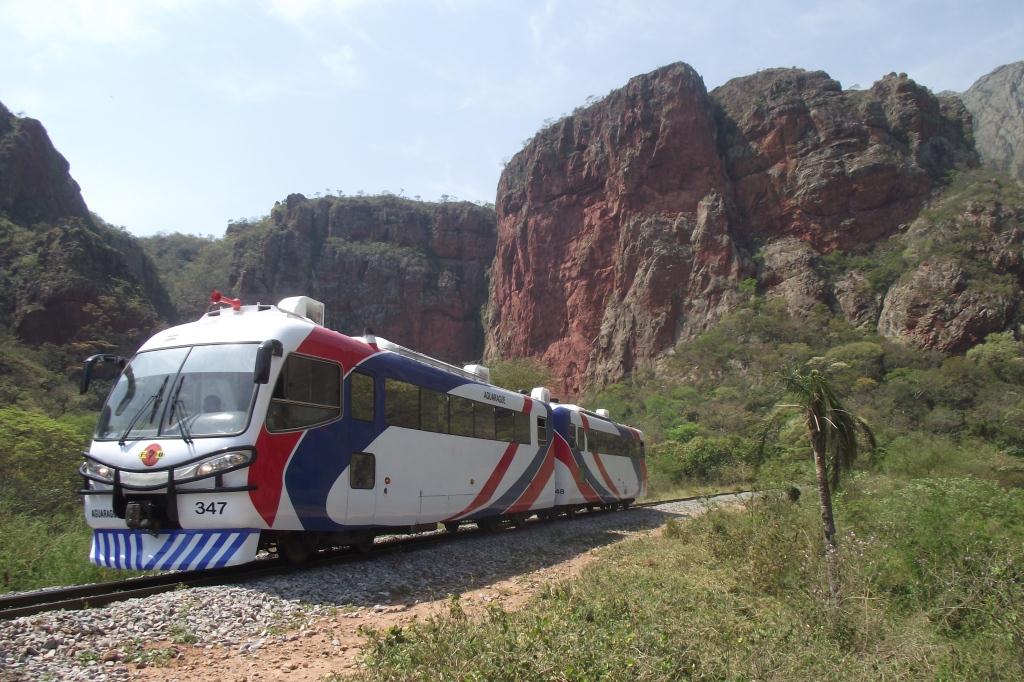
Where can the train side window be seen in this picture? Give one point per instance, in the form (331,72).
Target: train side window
(433,411)
(402,404)
(461,416)
(542,431)
(581,438)
(361,390)
(483,421)
(504,424)
(307,392)
(521,427)
(362,471)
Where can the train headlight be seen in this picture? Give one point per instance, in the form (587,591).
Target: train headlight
(96,471)
(215,465)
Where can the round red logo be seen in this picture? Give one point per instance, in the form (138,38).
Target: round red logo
(151,455)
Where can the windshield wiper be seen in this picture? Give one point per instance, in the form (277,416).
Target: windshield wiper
(178,406)
(154,400)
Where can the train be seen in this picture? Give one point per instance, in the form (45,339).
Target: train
(257,428)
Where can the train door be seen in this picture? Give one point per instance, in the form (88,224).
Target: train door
(362,405)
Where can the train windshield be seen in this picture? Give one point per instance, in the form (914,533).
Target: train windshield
(182,393)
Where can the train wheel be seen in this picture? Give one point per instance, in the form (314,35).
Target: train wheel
(570,512)
(365,543)
(451,526)
(296,548)
(489,525)
(625,504)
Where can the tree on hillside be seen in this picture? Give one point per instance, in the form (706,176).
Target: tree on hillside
(833,432)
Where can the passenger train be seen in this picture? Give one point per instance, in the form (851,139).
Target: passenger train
(256,427)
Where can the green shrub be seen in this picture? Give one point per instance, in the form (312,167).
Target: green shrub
(702,459)
(39,459)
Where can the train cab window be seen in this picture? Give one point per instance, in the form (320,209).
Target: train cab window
(581,438)
(433,411)
(521,427)
(461,416)
(402,404)
(361,390)
(504,426)
(483,421)
(542,431)
(307,392)
(362,471)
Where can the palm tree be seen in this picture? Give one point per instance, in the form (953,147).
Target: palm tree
(833,434)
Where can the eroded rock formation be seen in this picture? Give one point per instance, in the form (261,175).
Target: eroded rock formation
(631,223)
(65,276)
(996,102)
(414,272)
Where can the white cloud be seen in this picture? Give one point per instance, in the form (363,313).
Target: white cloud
(57,24)
(342,64)
(242,88)
(539,23)
(299,12)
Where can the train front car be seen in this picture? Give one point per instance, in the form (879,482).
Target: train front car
(599,463)
(171,474)
(258,427)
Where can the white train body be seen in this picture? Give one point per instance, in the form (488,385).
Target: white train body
(197,461)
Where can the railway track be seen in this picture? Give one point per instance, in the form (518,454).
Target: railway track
(100,594)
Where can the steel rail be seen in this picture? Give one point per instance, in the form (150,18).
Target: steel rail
(101,594)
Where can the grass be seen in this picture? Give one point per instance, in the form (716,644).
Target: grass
(37,553)
(931,572)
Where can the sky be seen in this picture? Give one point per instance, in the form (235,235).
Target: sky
(183,115)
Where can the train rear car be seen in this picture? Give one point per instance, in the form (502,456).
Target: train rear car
(599,463)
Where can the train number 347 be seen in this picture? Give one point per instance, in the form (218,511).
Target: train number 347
(210,507)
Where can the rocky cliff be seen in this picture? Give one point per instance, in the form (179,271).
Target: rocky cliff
(414,272)
(962,264)
(65,276)
(996,101)
(631,223)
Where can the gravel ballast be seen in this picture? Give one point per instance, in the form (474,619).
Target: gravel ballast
(109,643)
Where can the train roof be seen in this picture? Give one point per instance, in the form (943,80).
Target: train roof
(593,415)
(287,321)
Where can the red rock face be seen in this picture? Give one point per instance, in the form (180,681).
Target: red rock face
(606,223)
(835,168)
(414,272)
(629,225)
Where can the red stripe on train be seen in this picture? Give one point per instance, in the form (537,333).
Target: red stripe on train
(564,455)
(537,485)
(604,474)
(492,481)
(266,473)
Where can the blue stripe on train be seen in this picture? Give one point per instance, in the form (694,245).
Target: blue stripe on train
(141,551)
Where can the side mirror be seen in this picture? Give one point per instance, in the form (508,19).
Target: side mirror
(267,350)
(92,360)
